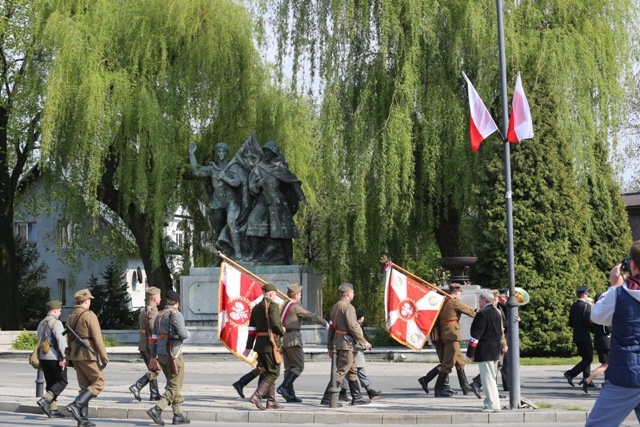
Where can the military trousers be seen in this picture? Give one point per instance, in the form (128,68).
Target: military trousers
(173,390)
(451,355)
(293,358)
(271,368)
(146,356)
(54,376)
(346,366)
(90,377)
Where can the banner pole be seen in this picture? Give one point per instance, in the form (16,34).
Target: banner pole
(422,281)
(239,267)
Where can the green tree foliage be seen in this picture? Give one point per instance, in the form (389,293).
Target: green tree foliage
(23,61)
(30,292)
(134,82)
(394,140)
(112,302)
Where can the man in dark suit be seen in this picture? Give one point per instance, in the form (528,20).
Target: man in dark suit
(485,346)
(580,321)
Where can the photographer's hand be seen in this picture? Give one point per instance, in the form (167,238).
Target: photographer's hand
(615,276)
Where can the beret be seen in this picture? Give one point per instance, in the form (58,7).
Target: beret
(54,305)
(173,295)
(360,313)
(269,287)
(82,295)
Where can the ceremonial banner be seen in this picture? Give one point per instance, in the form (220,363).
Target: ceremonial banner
(238,293)
(411,308)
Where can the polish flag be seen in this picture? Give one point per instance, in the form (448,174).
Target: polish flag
(411,308)
(481,124)
(520,123)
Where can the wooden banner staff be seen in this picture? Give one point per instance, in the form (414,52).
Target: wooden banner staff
(424,282)
(238,266)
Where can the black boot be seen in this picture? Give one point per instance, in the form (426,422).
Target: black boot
(464,383)
(343,395)
(440,390)
(244,381)
(44,404)
(424,381)
(326,397)
(156,415)
(155,393)
(372,393)
(85,414)
(476,386)
(356,396)
(180,419)
(138,386)
(262,390)
(75,407)
(448,387)
(286,389)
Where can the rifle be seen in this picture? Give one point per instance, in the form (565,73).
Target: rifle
(173,366)
(74,334)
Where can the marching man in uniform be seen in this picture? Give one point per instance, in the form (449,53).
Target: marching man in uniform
(265,332)
(146,321)
(292,352)
(345,335)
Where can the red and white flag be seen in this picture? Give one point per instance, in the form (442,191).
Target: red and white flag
(481,124)
(410,307)
(238,293)
(520,123)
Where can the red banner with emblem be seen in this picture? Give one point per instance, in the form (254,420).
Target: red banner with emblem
(411,307)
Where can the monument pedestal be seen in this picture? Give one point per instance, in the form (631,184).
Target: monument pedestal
(200,294)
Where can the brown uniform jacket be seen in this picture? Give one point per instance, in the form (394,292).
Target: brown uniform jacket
(344,329)
(88,328)
(146,321)
(449,319)
(292,316)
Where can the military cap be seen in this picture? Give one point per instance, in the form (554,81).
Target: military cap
(360,313)
(582,290)
(345,287)
(503,291)
(173,295)
(54,305)
(269,287)
(152,291)
(83,295)
(453,287)
(295,288)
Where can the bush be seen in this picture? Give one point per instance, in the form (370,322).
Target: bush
(379,337)
(25,341)
(110,341)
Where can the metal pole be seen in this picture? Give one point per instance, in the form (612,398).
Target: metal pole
(513,338)
(334,389)
(40,384)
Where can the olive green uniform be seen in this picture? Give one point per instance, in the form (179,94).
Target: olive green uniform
(146,321)
(85,323)
(451,334)
(345,335)
(292,316)
(258,338)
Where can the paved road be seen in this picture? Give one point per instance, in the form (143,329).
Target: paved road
(211,400)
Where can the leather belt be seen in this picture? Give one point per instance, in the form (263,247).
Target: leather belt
(342,332)
(451,321)
(262,334)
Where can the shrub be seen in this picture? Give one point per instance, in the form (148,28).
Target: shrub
(25,341)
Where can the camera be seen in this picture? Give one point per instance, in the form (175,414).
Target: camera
(626,265)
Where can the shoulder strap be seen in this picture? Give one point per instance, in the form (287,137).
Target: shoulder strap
(286,310)
(335,315)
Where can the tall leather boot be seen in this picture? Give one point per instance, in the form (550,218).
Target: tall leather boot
(153,388)
(245,380)
(326,397)
(85,414)
(75,407)
(356,396)
(138,386)
(262,390)
(440,390)
(447,386)
(464,383)
(271,398)
(424,381)
(286,388)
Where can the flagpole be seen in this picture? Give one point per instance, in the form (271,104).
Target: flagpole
(238,266)
(424,282)
(513,334)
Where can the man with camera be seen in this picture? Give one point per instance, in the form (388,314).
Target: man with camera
(580,321)
(619,307)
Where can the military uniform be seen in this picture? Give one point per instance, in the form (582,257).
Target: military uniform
(90,377)
(169,331)
(146,321)
(292,343)
(258,340)
(52,362)
(345,336)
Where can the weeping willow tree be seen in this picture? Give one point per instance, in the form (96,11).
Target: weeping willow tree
(394,129)
(134,82)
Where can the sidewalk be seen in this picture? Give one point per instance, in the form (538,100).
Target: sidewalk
(209,395)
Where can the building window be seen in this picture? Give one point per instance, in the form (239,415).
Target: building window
(64,233)
(62,290)
(180,239)
(26,230)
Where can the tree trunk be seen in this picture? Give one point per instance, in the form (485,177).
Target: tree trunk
(447,233)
